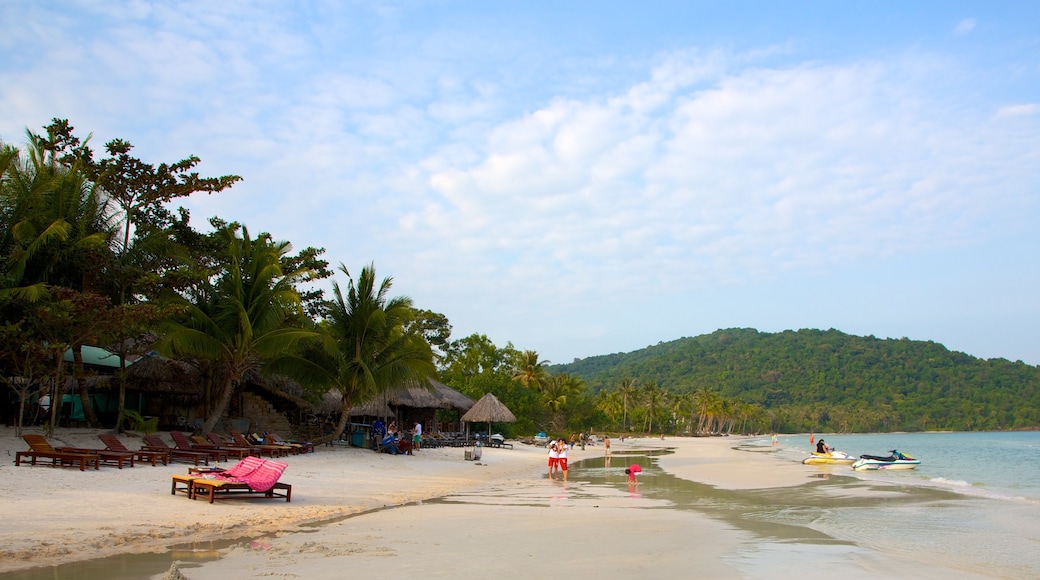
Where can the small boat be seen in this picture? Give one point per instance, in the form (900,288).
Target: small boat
(895,460)
(832,458)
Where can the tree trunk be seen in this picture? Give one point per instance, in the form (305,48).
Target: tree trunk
(81,383)
(217,413)
(121,400)
(344,416)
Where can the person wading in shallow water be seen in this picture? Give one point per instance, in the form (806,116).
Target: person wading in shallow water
(554,459)
(563,458)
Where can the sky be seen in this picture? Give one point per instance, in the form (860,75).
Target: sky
(586,178)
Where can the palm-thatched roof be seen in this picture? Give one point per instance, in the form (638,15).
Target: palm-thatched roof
(490,409)
(156,374)
(436,396)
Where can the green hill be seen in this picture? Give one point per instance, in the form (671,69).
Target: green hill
(831,381)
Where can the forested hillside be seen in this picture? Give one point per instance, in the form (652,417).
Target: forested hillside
(827,380)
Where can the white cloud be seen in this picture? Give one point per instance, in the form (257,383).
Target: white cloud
(756,170)
(965,26)
(1020,110)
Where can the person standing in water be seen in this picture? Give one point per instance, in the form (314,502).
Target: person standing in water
(554,459)
(562,461)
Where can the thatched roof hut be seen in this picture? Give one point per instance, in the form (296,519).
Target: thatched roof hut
(490,409)
(436,396)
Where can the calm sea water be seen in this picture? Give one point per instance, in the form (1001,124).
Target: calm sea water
(1002,466)
(972,505)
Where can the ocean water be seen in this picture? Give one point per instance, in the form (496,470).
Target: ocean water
(1002,466)
(972,506)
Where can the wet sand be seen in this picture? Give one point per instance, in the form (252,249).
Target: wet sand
(447,516)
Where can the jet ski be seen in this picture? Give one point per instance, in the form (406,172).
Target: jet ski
(895,460)
(832,458)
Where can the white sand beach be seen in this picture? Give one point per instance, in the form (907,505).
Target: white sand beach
(59,515)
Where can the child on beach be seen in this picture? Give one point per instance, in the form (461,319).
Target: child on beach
(632,471)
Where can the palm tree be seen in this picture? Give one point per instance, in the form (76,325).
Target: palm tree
(705,401)
(610,403)
(374,351)
(58,229)
(626,389)
(653,401)
(242,321)
(530,370)
(555,391)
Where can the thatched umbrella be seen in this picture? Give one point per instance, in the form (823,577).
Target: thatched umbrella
(489,409)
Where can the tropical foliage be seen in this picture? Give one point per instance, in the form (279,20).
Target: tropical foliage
(797,381)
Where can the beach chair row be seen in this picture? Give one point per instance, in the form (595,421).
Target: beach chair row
(154,450)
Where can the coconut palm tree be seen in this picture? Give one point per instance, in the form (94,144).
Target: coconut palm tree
(530,371)
(555,392)
(626,389)
(242,321)
(58,229)
(374,351)
(654,401)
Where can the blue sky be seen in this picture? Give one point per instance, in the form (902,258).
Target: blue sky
(584,178)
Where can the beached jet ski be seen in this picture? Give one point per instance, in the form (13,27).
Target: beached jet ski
(832,458)
(895,460)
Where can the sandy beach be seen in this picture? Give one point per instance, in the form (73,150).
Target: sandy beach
(502,516)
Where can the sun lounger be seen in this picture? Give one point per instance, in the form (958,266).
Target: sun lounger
(39,448)
(232,449)
(200,442)
(270,450)
(251,478)
(183,442)
(298,446)
(156,443)
(105,456)
(112,443)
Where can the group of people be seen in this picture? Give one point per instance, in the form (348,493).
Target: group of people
(558,458)
(394,441)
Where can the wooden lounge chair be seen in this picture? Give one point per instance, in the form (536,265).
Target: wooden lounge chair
(183,442)
(231,447)
(112,443)
(105,456)
(298,446)
(39,448)
(200,442)
(271,450)
(251,478)
(156,443)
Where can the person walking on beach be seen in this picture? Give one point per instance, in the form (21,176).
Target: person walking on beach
(562,461)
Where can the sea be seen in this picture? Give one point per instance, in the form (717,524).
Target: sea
(1003,466)
(972,505)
